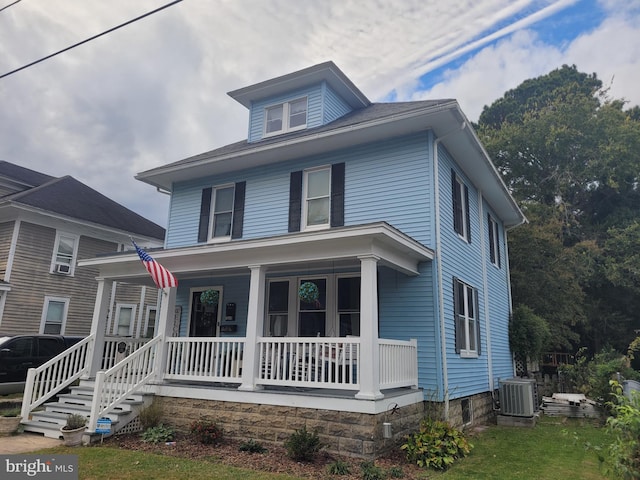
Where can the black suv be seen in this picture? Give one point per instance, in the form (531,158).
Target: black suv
(19,353)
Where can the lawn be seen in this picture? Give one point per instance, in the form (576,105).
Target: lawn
(554,449)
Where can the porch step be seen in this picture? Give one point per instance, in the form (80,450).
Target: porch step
(78,401)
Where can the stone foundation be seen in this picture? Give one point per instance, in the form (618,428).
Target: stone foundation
(481,408)
(344,433)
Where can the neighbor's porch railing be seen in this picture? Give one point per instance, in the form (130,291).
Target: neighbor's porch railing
(211,359)
(58,373)
(124,378)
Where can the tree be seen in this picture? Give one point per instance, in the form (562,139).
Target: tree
(571,157)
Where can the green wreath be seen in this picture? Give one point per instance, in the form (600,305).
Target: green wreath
(309,292)
(209,297)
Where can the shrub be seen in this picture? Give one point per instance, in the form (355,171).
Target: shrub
(252,446)
(159,433)
(396,472)
(370,471)
(206,432)
(150,416)
(339,467)
(75,421)
(302,445)
(624,425)
(436,445)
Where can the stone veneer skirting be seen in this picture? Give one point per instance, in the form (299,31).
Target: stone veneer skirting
(344,433)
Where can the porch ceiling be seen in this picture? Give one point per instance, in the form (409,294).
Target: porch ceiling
(338,246)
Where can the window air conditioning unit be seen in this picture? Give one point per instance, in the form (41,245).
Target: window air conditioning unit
(518,397)
(63,268)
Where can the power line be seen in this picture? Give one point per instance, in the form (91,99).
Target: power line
(88,39)
(10,5)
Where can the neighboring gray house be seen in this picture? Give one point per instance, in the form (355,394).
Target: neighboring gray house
(48,224)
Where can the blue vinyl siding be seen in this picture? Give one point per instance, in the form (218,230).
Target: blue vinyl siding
(334,106)
(466,376)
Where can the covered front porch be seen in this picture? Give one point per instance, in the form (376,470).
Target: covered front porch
(354,367)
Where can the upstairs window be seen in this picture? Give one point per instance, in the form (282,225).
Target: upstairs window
(222,212)
(317,196)
(54,315)
(286,117)
(494,241)
(467,325)
(461,220)
(64,254)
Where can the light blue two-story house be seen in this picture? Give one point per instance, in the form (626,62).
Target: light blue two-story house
(354,263)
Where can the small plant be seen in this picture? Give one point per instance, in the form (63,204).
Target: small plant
(339,467)
(206,432)
(624,426)
(75,421)
(252,446)
(370,471)
(151,415)
(436,445)
(396,472)
(302,445)
(209,297)
(159,433)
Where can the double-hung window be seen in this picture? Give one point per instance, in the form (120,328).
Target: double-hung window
(222,212)
(54,315)
(467,325)
(64,254)
(317,198)
(125,319)
(286,117)
(494,241)
(461,220)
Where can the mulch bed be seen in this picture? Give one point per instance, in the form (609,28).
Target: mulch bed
(274,460)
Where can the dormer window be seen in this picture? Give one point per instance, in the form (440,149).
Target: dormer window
(286,117)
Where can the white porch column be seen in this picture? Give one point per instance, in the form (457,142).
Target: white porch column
(255,315)
(165,329)
(99,325)
(369,366)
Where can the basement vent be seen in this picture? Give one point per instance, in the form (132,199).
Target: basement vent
(518,397)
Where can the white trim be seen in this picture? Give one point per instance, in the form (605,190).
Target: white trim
(305,199)
(220,306)
(57,267)
(45,311)
(141,311)
(286,117)
(212,213)
(12,249)
(147,315)
(116,322)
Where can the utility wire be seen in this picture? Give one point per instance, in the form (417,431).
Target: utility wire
(89,39)
(10,5)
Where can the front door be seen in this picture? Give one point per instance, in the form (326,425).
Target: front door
(205,316)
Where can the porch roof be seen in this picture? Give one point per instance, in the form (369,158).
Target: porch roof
(334,247)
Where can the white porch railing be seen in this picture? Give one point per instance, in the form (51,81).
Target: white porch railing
(211,359)
(112,353)
(320,362)
(126,377)
(398,363)
(58,373)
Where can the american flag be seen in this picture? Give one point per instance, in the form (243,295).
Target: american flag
(163,277)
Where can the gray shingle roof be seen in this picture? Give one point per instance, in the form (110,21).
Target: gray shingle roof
(68,197)
(23,175)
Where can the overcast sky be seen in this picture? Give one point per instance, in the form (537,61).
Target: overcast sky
(154,92)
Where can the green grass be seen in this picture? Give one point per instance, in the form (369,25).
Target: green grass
(108,463)
(554,449)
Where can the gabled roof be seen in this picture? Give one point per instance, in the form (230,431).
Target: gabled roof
(323,72)
(67,197)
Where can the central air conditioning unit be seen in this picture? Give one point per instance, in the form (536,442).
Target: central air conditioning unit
(518,397)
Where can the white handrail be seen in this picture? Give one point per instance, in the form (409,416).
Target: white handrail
(61,371)
(211,359)
(126,377)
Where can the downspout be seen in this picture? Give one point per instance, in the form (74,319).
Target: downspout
(443,336)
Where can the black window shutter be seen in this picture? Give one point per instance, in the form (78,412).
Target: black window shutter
(458,324)
(466,206)
(457,208)
(477,307)
(498,245)
(337,195)
(492,250)
(238,210)
(295,201)
(205,211)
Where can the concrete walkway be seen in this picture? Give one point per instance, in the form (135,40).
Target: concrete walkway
(25,443)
